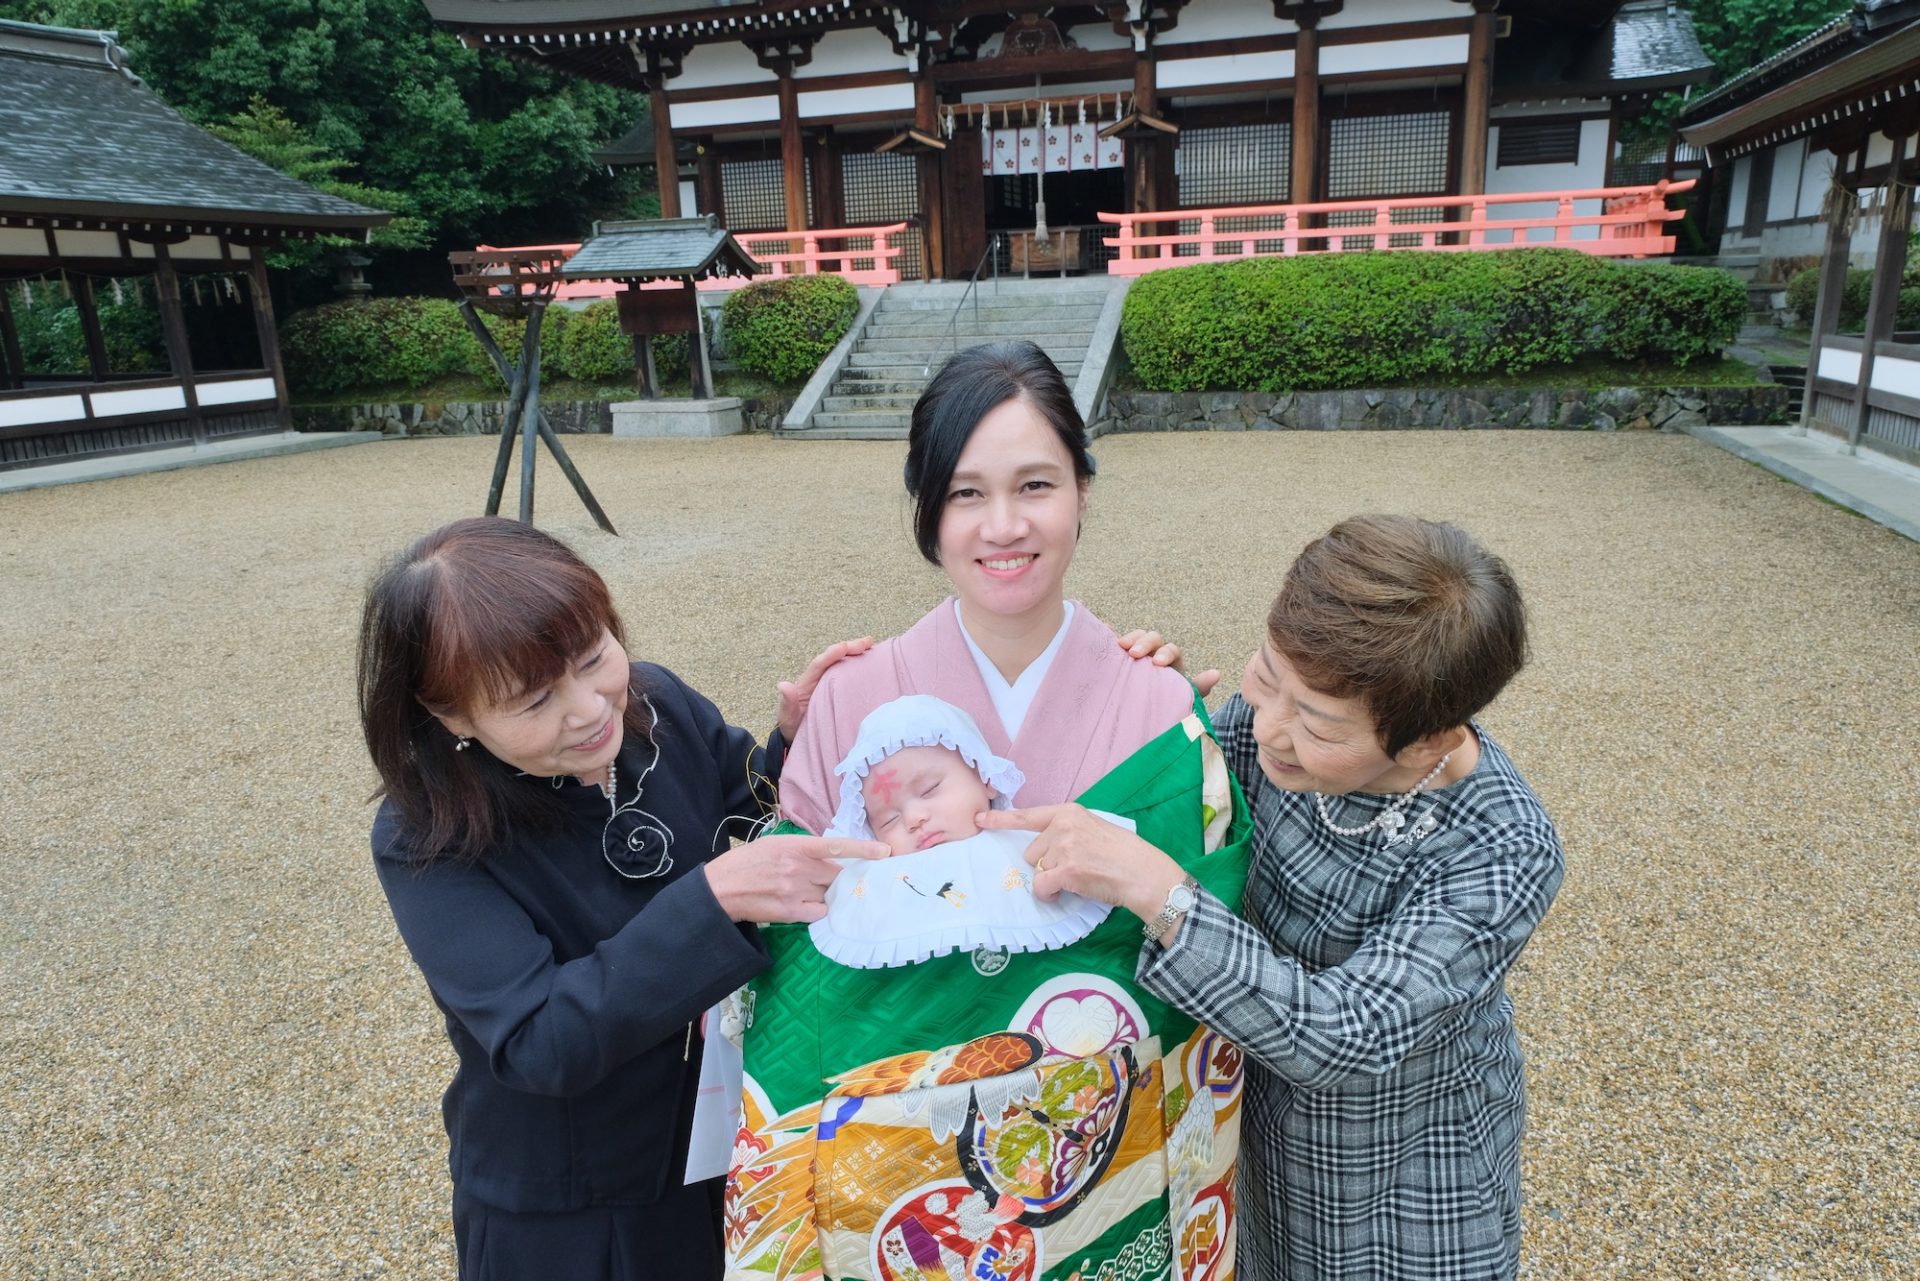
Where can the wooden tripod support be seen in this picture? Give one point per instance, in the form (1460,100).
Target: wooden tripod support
(523,406)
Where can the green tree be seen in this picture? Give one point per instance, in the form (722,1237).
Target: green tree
(266,133)
(478,147)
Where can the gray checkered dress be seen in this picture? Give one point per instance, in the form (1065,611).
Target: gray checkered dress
(1384,1104)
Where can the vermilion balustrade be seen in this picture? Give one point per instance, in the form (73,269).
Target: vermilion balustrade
(1631,223)
(775,249)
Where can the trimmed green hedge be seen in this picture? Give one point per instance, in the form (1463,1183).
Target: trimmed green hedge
(1328,321)
(1803,293)
(594,349)
(784,328)
(383,343)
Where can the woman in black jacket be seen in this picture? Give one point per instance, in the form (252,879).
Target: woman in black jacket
(553,838)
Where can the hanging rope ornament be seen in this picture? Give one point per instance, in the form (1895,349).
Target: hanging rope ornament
(66,290)
(26,294)
(1841,208)
(119,295)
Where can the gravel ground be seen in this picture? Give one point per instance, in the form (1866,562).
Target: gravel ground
(216,1059)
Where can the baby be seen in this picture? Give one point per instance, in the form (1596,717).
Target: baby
(917,775)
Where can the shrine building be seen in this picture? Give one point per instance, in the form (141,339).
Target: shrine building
(970,119)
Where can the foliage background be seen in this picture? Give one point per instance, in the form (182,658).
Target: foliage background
(367,95)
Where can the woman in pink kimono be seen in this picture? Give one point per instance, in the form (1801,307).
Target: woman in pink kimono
(994,1111)
(998,469)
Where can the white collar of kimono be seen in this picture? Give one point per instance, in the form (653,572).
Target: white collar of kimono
(961,896)
(1011,700)
(915,720)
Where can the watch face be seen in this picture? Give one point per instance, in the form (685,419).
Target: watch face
(1181,898)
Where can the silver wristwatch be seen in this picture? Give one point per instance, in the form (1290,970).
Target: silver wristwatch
(1180,900)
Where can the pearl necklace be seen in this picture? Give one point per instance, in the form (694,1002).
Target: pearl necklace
(613,787)
(1388,820)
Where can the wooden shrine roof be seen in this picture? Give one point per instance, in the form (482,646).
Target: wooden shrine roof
(86,140)
(1861,68)
(659,249)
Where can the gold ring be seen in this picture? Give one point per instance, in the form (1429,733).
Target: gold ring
(1040,866)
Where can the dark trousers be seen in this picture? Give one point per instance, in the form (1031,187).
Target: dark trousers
(675,1239)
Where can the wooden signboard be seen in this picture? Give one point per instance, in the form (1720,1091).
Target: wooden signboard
(646,312)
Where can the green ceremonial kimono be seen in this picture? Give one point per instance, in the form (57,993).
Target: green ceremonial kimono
(993,1115)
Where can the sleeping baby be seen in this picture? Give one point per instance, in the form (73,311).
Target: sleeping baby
(918,773)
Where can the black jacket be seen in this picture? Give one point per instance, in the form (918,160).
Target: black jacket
(569,990)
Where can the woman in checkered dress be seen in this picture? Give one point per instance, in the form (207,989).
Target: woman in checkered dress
(1400,865)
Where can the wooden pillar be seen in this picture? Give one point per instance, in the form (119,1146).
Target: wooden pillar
(173,325)
(933,216)
(1833,280)
(13,366)
(96,341)
(666,169)
(1888,266)
(1479,101)
(793,157)
(268,332)
(829,191)
(707,185)
(1306,109)
(699,367)
(1143,154)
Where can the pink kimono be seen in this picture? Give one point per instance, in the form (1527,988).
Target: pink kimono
(1095,708)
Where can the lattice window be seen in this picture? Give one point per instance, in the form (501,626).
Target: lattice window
(1388,155)
(754,194)
(1398,217)
(1539,142)
(880,188)
(1238,165)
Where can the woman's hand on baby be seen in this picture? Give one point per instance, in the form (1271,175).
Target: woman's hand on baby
(795,695)
(782,878)
(1141,643)
(1079,851)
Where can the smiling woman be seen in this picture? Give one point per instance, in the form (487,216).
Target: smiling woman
(553,839)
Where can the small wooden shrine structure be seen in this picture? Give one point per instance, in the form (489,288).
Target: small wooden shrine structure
(1852,90)
(102,183)
(659,262)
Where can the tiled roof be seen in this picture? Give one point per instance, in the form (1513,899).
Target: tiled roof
(84,137)
(1654,40)
(657,248)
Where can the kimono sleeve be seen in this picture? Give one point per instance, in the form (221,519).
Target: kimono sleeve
(1452,938)
(560,1028)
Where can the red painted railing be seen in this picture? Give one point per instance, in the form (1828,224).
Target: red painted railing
(1629,222)
(870,262)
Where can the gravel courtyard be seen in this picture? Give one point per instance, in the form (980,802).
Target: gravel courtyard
(216,1059)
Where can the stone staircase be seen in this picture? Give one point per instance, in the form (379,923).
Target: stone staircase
(907,337)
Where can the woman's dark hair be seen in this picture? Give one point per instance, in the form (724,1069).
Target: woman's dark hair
(971,385)
(1412,617)
(472,614)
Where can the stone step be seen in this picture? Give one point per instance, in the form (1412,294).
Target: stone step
(1053,345)
(844,433)
(844,400)
(991,307)
(967,332)
(855,382)
(870,421)
(894,366)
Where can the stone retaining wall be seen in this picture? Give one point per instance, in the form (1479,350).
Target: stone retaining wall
(1568,408)
(485,417)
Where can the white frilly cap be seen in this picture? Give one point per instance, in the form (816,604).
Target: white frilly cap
(915,720)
